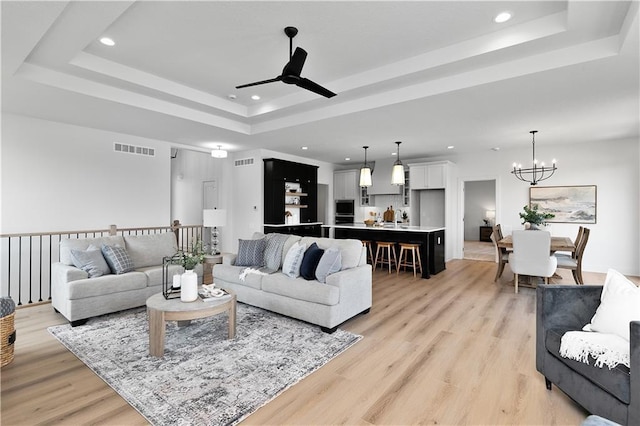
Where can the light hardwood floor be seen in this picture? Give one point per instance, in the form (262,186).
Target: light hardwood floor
(455,349)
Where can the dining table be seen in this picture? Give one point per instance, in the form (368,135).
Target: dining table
(557,244)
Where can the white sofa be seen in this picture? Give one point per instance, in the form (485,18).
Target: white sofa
(345,294)
(78,297)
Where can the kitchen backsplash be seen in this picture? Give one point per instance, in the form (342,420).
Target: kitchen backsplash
(379,204)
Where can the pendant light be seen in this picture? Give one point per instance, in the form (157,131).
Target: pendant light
(397,174)
(536,173)
(365,171)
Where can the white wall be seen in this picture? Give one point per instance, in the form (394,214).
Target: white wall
(614,166)
(60,177)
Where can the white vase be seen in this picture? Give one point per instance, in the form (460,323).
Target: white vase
(189,286)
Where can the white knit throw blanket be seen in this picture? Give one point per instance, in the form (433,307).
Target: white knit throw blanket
(247,271)
(607,349)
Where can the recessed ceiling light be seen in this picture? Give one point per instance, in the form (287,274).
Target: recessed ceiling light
(450,147)
(502,17)
(347,159)
(394,153)
(231,97)
(107,41)
(304,148)
(255,97)
(495,148)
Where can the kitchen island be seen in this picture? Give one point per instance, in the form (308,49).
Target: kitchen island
(310,229)
(431,240)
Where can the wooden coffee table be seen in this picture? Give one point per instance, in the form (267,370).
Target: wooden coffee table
(161,310)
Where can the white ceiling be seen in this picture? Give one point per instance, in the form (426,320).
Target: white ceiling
(427,73)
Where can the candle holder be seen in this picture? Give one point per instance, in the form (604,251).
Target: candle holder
(168,289)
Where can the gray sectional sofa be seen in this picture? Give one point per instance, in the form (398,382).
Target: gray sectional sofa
(345,293)
(78,296)
(613,394)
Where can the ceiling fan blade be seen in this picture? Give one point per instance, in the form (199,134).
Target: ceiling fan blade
(272,80)
(305,83)
(294,66)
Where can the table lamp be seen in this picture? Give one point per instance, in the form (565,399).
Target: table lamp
(212,218)
(490,215)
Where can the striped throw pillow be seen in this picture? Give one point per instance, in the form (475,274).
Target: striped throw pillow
(251,252)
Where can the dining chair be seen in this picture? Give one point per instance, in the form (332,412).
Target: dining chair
(531,255)
(574,262)
(502,255)
(575,243)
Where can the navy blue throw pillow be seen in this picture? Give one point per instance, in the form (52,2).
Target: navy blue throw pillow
(310,262)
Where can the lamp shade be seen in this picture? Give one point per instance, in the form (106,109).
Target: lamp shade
(490,214)
(397,175)
(214,217)
(365,176)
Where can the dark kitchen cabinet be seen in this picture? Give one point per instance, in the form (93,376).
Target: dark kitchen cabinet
(277,174)
(300,230)
(436,252)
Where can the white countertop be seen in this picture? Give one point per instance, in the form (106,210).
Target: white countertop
(387,227)
(282,225)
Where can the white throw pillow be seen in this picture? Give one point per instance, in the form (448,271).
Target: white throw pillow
(619,305)
(330,263)
(293,260)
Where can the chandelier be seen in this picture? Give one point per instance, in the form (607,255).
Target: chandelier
(536,173)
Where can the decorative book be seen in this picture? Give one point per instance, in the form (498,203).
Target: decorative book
(210,293)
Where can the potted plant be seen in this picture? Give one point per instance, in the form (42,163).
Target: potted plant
(405,217)
(194,257)
(533,219)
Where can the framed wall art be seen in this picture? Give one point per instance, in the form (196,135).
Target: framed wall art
(569,204)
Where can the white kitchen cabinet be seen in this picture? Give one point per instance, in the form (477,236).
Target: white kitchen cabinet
(345,185)
(428,175)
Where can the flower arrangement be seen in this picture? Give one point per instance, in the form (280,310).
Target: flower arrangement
(190,259)
(535,217)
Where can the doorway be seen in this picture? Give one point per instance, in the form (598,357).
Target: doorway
(478,218)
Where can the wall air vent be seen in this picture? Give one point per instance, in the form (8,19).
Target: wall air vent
(244,162)
(132,149)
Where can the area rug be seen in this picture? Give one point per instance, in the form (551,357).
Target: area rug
(204,378)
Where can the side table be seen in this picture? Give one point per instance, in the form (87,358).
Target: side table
(209,261)
(485,233)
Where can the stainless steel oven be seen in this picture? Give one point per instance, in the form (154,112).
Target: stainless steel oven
(345,211)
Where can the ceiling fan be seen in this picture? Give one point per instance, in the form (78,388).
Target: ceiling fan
(291,71)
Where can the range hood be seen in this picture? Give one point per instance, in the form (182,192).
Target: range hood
(381,178)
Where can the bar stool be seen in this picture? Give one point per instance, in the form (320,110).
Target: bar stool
(405,248)
(367,244)
(380,254)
